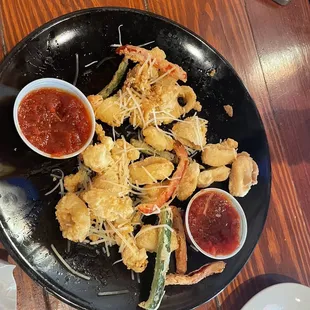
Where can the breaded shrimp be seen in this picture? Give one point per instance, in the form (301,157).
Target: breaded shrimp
(189,181)
(98,157)
(73,181)
(148,208)
(73,217)
(104,205)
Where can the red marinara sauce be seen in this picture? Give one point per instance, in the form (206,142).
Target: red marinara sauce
(54,121)
(214,224)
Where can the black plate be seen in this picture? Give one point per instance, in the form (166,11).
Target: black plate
(27,219)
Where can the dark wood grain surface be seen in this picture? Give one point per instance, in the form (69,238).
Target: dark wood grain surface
(269,46)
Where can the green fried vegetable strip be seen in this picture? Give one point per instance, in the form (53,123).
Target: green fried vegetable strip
(117,78)
(162,263)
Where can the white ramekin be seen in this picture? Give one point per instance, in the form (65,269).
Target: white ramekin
(61,85)
(243,223)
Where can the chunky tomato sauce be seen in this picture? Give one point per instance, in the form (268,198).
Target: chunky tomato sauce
(214,224)
(54,121)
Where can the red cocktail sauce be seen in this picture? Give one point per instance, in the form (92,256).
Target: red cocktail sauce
(214,224)
(54,121)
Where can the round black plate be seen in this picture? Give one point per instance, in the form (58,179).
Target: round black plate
(27,219)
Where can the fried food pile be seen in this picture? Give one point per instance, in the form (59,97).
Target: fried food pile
(119,181)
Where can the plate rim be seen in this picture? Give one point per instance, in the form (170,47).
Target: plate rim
(13,251)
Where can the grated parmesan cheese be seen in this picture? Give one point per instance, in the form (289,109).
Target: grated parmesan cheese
(123,239)
(153,227)
(113,293)
(76,69)
(67,266)
(162,76)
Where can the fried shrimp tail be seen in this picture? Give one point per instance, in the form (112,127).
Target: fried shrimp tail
(173,184)
(197,275)
(139,54)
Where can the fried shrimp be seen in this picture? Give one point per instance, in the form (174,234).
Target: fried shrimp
(108,110)
(73,217)
(134,258)
(148,208)
(189,181)
(139,54)
(73,181)
(98,157)
(152,191)
(104,205)
(197,275)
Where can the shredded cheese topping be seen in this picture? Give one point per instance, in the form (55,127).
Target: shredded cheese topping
(67,266)
(113,293)
(123,239)
(76,69)
(153,227)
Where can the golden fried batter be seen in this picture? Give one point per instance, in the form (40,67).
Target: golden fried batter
(229,110)
(164,96)
(158,104)
(109,110)
(152,191)
(100,133)
(207,177)
(73,217)
(73,181)
(181,251)
(244,172)
(197,275)
(148,239)
(190,99)
(138,78)
(149,170)
(220,154)
(110,181)
(189,181)
(191,132)
(122,147)
(157,139)
(134,258)
(98,157)
(104,205)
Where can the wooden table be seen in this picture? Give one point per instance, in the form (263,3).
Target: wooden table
(269,46)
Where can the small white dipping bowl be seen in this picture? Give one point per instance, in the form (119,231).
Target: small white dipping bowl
(243,223)
(63,86)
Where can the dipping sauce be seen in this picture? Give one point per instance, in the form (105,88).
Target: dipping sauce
(214,224)
(54,121)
